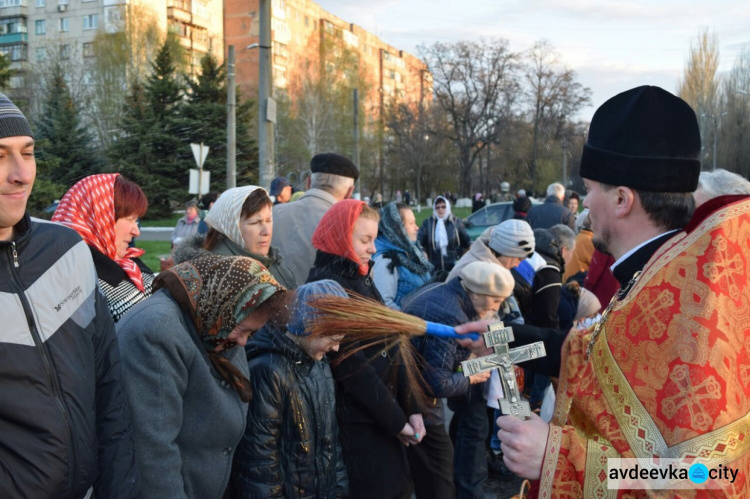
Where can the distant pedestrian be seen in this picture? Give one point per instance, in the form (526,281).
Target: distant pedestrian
(280,190)
(443,236)
(399,197)
(552,211)
(187,226)
(407,197)
(478,202)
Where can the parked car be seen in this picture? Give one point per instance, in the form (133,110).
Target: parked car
(490,215)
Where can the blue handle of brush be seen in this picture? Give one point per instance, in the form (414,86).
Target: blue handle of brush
(444,331)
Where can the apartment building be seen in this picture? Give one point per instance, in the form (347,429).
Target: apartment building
(31,29)
(302,32)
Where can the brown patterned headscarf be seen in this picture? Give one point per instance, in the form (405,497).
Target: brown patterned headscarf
(219,292)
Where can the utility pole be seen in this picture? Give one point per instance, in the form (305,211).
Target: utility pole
(357,194)
(266,104)
(565,163)
(231,122)
(716,132)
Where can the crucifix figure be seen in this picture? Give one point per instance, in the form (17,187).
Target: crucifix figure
(498,337)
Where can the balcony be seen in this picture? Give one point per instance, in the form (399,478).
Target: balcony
(179,14)
(14,38)
(14,11)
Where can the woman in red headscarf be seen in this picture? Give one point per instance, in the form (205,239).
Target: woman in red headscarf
(375,408)
(104,209)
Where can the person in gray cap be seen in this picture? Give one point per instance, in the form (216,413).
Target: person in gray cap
(332,180)
(64,421)
(652,378)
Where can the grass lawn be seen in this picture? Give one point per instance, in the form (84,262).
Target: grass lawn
(427,212)
(153,250)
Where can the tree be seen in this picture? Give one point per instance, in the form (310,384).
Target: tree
(206,108)
(734,139)
(476,84)
(120,57)
(315,114)
(699,85)
(414,148)
(64,141)
(5,70)
(554,96)
(151,143)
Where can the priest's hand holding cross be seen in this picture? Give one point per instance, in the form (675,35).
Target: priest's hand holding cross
(523,440)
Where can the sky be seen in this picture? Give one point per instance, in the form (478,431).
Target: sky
(612,45)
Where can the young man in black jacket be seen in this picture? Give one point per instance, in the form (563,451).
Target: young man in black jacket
(64,420)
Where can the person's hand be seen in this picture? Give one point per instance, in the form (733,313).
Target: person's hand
(417,422)
(406,434)
(477,346)
(479,377)
(523,444)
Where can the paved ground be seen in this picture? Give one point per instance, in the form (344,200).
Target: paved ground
(156,233)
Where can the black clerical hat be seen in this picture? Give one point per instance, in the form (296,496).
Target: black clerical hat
(646,139)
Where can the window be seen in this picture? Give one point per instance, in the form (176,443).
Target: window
(41,54)
(91,21)
(11,3)
(64,51)
(88,49)
(41,27)
(15,52)
(64,24)
(41,3)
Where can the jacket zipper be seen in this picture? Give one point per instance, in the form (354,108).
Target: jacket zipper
(46,362)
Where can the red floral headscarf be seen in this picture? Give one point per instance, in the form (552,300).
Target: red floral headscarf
(334,232)
(89,208)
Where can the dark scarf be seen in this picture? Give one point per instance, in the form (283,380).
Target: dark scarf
(391,228)
(218,292)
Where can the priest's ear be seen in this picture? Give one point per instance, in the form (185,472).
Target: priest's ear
(626,200)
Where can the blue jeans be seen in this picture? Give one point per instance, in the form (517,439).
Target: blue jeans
(470,453)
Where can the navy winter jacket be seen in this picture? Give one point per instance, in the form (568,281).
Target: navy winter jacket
(448,304)
(64,419)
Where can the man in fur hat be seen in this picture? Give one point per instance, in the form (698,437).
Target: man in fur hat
(666,372)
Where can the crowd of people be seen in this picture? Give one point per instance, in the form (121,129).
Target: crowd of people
(206,380)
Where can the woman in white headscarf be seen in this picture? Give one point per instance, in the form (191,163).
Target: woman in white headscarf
(240,224)
(443,236)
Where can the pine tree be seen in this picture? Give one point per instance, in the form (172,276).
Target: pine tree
(207,111)
(5,70)
(63,140)
(151,149)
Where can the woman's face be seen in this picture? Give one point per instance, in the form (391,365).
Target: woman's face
(363,238)
(410,224)
(242,331)
(485,305)
(126,228)
(191,212)
(440,208)
(257,230)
